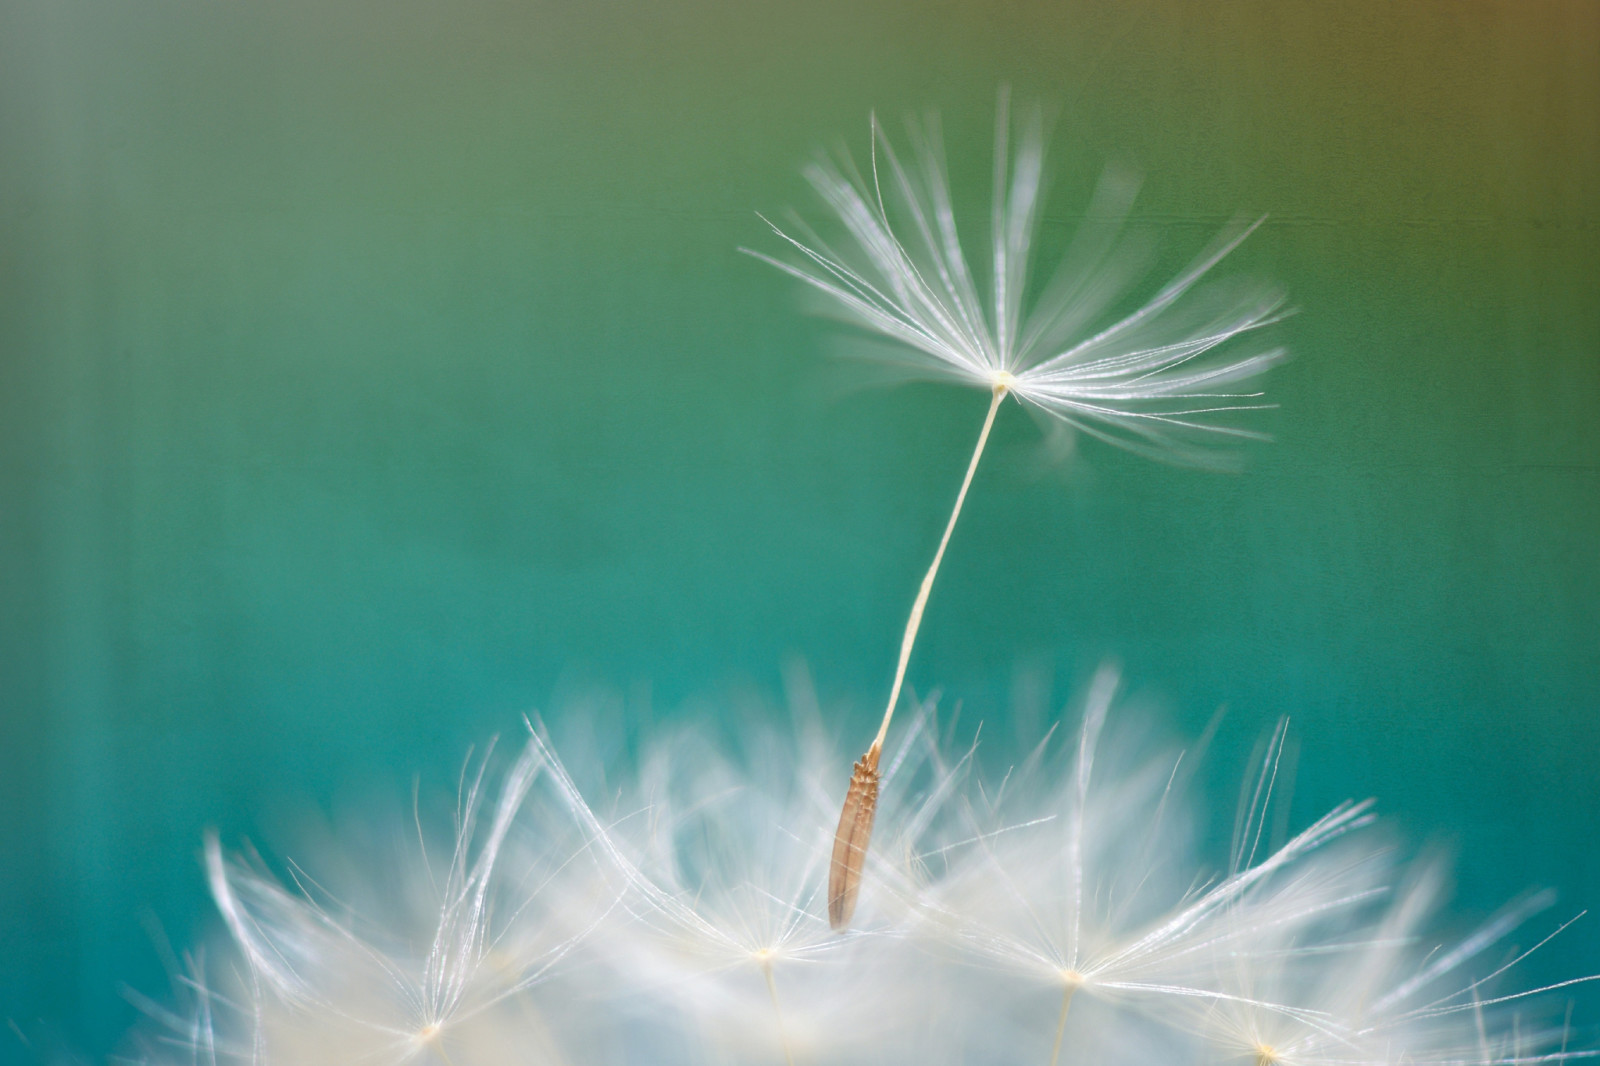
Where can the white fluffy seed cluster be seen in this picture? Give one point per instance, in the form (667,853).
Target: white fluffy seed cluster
(1055,913)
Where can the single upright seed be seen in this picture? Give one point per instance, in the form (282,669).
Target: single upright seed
(861,802)
(850,842)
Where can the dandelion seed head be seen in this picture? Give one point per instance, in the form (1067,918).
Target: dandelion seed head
(680,919)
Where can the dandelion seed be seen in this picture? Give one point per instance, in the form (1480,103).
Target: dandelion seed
(326,988)
(1070,882)
(1141,381)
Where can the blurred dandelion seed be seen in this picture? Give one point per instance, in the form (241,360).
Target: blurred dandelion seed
(328,989)
(1140,382)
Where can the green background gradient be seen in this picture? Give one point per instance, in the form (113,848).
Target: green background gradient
(373,373)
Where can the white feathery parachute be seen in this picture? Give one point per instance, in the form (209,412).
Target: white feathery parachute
(1149,378)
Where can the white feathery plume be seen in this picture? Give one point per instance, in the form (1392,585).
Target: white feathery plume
(1143,379)
(1073,881)
(1368,987)
(443,980)
(1363,985)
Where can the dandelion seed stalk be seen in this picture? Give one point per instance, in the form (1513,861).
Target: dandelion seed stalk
(855,819)
(772,990)
(1001,386)
(1061,1021)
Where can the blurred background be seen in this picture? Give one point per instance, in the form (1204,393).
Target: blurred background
(371,374)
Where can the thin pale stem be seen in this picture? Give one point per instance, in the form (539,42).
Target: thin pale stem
(915,621)
(772,990)
(1061,1022)
(860,805)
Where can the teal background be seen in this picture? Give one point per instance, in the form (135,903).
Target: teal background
(371,374)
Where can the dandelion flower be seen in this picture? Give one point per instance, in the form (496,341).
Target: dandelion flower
(1147,380)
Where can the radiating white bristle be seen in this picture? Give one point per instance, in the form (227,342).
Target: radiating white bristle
(1160,379)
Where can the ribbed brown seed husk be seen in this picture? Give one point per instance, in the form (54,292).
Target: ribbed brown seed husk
(850,842)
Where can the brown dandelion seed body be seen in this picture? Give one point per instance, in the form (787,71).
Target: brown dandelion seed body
(850,842)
